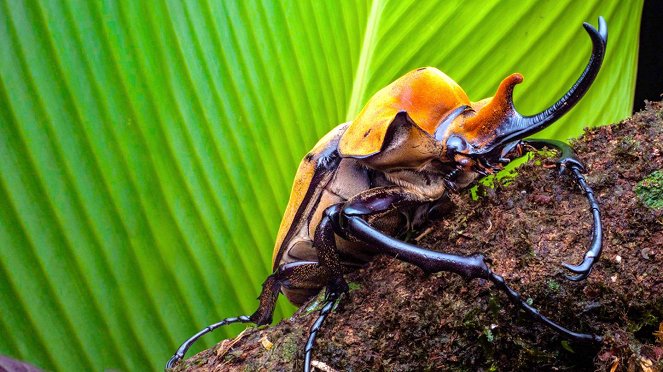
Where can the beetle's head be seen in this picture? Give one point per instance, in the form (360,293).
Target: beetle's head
(480,137)
(483,135)
(425,123)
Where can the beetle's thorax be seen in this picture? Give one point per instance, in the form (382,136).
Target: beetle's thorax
(416,161)
(427,184)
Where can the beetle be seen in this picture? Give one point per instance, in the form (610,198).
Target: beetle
(391,169)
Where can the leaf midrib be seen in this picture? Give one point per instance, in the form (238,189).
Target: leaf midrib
(366,55)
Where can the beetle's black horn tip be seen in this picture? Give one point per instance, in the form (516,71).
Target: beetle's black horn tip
(602,32)
(589,28)
(603,29)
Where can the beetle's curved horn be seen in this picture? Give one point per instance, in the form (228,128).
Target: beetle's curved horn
(534,123)
(515,126)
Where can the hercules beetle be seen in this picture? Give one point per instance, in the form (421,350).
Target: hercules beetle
(386,171)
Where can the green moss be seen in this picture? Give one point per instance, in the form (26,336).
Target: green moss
(317,304)
(353,286)
(628,145)
(288,349)
(553,285)
(567,346)
(489,334)
(650,190)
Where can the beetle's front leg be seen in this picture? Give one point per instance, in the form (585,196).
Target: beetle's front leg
(353,224)
(568,161)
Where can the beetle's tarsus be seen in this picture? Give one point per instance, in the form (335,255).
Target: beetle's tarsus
(569,163)
(516,298)
(330,300)
(181,351)
(594,251)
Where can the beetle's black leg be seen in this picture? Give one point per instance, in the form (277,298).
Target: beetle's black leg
(325,245)
(324,242)
(330,301)
(568,161)
(181,351)
(470,267)
(592,255)
(285,275)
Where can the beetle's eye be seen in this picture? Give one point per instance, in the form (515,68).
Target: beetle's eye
(455,145)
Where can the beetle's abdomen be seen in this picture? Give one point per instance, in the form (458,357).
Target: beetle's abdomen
(334,185)
(314,172)
(348,180)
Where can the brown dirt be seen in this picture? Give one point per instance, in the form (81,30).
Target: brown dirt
(399,319)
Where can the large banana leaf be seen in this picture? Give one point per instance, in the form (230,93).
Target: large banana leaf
(147,149)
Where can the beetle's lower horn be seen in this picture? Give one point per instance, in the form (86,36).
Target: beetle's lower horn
(528,125)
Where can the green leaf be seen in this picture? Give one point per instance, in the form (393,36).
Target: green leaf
(147,150)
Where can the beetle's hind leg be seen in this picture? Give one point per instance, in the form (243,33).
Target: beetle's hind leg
(296,274)
(268,296)
(181,351)
(568,162)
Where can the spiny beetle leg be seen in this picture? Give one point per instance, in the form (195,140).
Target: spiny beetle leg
(324,242)
(470,267)
(268,296)
(330,300)
(288,273)
(328,258)
(181,351)
(568,161)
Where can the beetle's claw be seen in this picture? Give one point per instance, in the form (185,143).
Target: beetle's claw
(585,266)
(576,278)
(569,162)
(582,270)
(336,287)
(173,361)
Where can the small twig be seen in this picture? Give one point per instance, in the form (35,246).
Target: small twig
(226,345)
(322,366)
(423,234)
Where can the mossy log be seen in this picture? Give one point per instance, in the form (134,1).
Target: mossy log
(397,318)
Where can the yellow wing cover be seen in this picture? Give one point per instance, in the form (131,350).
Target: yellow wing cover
(314,173)
(426,94)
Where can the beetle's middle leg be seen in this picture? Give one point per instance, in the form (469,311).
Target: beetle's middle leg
(329,261)
(353,223)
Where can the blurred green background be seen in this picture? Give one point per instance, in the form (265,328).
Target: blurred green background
(147,149)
